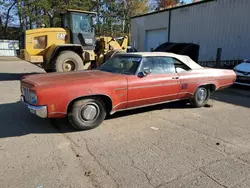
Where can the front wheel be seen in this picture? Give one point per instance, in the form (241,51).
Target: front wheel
(87,114)
(201,97)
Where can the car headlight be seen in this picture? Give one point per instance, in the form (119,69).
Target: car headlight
(33,98)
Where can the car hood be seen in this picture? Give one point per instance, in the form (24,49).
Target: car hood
(245,67)
(63,77)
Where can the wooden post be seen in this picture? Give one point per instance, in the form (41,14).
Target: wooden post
(218,57)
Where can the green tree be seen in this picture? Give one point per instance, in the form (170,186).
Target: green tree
(32,13)
(134,8)
(129,8)
(112,19)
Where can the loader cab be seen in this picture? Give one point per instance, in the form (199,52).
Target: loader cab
(80,25)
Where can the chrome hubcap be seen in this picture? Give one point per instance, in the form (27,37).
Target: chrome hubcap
(202,94)
(90,112)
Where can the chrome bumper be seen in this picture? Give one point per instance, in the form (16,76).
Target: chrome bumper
(40,111)
(243,84)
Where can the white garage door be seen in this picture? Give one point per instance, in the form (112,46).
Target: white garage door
(154,38)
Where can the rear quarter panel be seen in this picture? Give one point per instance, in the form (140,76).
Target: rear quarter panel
(191,80)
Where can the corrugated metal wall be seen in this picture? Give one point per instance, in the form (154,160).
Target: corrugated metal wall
(9,47)
(217,24)
(141,25)
(214,24)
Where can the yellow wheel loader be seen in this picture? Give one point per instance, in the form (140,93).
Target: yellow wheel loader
(72,47)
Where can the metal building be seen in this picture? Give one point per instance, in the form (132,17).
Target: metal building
(212,24)
(9,47)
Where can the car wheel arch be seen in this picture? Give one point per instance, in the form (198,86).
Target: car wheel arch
(211,86)
(105,98)
(201,95)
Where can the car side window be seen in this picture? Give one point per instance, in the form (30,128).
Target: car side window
(147,64)
(180,67)
(159,65)
(164,65)
(167,63)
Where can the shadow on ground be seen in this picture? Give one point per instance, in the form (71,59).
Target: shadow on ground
(235,95)
(16,120)
(14,76)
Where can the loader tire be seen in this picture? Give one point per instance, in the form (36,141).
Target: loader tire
(68,61)
(49,70)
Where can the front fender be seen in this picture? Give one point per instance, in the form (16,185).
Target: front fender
(58,97)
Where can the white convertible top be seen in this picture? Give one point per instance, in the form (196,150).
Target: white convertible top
(183,58)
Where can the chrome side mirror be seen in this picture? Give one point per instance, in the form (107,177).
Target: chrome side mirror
(147,72)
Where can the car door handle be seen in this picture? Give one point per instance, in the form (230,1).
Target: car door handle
(175,77)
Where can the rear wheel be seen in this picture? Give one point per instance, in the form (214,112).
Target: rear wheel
(87,114)
(201,97)
(68,61)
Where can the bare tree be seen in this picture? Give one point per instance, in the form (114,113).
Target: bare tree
(7,17)
(1,22)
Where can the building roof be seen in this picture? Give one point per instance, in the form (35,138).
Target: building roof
(177,7)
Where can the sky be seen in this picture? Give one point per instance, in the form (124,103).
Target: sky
(187,1)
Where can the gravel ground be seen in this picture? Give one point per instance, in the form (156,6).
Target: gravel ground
(163,146)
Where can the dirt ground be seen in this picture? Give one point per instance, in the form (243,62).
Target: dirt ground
(165,146)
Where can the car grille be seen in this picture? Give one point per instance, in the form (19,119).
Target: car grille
(243,79)
(242,72)
(26,94)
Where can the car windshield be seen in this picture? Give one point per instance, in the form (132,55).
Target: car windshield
(121,65)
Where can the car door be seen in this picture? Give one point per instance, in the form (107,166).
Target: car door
(160,85)
(187,79)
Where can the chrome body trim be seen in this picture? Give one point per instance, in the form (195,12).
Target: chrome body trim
(153,98)
(26,93)
(147,105)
